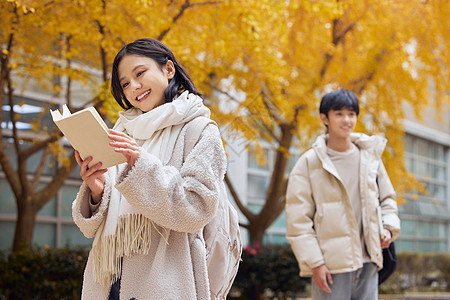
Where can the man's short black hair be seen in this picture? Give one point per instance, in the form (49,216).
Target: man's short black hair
(337,100)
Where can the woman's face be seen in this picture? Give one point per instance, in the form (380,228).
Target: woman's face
(143,81)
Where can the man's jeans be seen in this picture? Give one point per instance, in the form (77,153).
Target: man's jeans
(361,284)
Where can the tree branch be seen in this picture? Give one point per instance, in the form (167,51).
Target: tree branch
(336,39)
(50,190)
(13,116)
(12,113)
(41,145)
(256,117)
(40,169)
(268,103)
(9,171)
(21,162)
(247,213)
(250,112)
(361,83)
(264,126)
(280,208)
(103,54)
(277,179)
(5,161)
(216,88)
(246,226)
(183,8)
(297,111)
(69,79)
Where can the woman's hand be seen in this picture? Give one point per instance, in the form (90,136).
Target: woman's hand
(93,176)
(124,144)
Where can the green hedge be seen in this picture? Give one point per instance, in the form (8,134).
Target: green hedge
(419,272)
(273,271)
(270,268)
(44,273)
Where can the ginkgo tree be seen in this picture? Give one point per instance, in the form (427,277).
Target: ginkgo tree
(262,64)
(284,55)
(35,47)
(56,44)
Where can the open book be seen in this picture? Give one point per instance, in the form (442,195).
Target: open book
(88,134)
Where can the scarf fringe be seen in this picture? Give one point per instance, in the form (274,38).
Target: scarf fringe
(133,236)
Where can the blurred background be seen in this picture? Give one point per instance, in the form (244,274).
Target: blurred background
(262,67)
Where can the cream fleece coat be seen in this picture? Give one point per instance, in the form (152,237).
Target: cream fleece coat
(180,199)
(321,225)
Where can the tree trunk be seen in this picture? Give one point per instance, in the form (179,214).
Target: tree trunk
(274,205)
(26,218)
(256,232)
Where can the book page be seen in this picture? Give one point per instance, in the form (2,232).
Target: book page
(66,111)
(88,134)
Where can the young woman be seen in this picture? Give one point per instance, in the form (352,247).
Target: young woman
(147,214)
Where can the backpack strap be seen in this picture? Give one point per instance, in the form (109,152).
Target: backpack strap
(194,129)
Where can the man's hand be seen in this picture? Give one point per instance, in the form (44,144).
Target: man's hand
(321,277)
(387,239)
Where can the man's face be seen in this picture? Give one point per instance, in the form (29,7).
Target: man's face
(341,123)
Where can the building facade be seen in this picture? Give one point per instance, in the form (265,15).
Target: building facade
(54,224)
(425,219)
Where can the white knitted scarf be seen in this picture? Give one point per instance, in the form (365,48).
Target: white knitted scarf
(126,231)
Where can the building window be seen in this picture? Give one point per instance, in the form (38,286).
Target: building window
(258,179)
(54,224)
(425,221)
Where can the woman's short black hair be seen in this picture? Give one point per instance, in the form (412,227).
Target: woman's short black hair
(160,53)
(337,100)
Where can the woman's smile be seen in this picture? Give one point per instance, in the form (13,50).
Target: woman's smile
(143,96)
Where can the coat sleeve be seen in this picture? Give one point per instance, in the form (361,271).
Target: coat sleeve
(81,209)
(183,200)
(300,217)
(388,203)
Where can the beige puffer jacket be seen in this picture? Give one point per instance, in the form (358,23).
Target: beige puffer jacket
(321,225)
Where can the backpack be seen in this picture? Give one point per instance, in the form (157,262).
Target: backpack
(222,236)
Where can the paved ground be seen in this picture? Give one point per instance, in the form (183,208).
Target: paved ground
(408,296)
(418,296)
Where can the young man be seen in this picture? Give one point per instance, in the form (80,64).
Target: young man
(333,191)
